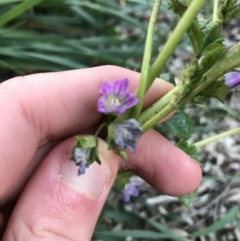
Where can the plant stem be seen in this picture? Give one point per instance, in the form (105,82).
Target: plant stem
(183,25)
(146,60)
(164,112)
(100,128)
(217,137)
(160,109)
(227,62)
(215,9)
(155,108)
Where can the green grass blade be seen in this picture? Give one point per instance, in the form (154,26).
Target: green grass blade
(230,216)
(140,234)
(111,11)
(18,10)
(4,2)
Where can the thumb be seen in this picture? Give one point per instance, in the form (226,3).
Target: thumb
(59,205)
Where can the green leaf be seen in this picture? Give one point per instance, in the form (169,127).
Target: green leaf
(191,150)
(187,199)
(169,77)
(179,125)
(217,89)
(196,38)
(210,55)
(199,99)
(233,13)
(85,141)
(91,143)
(123,178)
(178,6)
(227,11)
(211,32)
(227,218)
(194,33)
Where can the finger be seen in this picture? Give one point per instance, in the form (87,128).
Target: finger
(63,206)
(164,166)
(43,107)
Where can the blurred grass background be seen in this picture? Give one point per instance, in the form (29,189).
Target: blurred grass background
(57,35)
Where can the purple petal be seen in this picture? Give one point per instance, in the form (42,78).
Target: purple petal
(130,100)
(232,79)
(131,189)
(121,110)
(115,97)
(100,105)
(120,86)
(125,196)
(137,183)
(105,88)
(81,170)
(132,147)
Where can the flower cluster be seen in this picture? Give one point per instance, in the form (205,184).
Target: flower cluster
(115,97)
(131,189)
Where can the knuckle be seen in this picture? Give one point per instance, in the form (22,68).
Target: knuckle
(34,231)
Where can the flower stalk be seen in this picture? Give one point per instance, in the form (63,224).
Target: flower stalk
(183,25)
(216,137)
(215,9)
(146,60)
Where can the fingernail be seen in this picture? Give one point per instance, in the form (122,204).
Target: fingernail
(93,182)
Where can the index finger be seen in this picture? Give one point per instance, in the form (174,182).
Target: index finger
(49,106)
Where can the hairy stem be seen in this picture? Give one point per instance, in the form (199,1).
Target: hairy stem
(160,109)
(183,25)
(146,60)
(226,63)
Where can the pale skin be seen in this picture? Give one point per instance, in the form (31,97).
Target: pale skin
(40,114)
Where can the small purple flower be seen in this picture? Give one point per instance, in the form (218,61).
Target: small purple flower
(80,156)
(232,79)
(115,97)
(127,133)
(82,169)
(131,189)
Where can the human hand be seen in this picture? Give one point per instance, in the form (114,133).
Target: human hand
(40,114)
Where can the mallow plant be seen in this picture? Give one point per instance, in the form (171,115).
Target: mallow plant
(211,74)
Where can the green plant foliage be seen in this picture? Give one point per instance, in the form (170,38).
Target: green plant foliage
(210,54)
(180,125)
(122,178)
(228,10)
(191,150)
(217,90)
(194,33)
(187,199)
(196,38)
(211,32)
(169,77)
